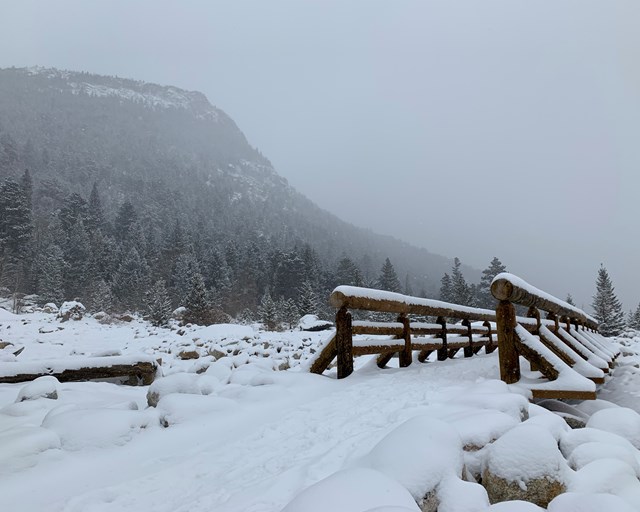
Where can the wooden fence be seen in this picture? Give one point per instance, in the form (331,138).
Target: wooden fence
(564,347)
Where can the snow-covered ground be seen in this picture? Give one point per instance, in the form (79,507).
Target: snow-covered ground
(244,427)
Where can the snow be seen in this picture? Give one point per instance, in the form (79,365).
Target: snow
(69,305)
(246,428)
(619,420)
(589,502)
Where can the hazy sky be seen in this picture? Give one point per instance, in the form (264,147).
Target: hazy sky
(472,128)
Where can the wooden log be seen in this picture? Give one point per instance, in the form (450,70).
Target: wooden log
(362,350)
(561,394)
(344,343)
(507,352)
(362,298)
(324,358)
(513,289)
(468,351)
(551,346)
(537,360)
(382,329)
(443,353)
(424,354)
(136,373)
(406,355)
(383,359)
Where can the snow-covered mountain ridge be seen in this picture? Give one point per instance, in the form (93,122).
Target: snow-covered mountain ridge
(137,91)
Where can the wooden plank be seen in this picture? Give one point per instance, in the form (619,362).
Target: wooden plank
(405,355)
(362,350)
(381,329)
(383,359)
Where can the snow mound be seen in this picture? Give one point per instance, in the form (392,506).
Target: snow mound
(179,408)
(514,506)
(313,323)
(592,502)
(418,454)
(42,387)
(608,476)
(525,453)
(619,420)
(221,332)
(353,490)
(7,315)
(182,383)
(589,452)
(96,428)
(19,443)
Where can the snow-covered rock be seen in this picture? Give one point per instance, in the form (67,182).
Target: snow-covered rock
(313,323)
(182,383)
(42,387)
(589,502)
(71,310)
(618,420)
(525,464)
(50,307)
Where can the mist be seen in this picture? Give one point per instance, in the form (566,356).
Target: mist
(501,128)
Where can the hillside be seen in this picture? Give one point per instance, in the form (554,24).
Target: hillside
(189,172)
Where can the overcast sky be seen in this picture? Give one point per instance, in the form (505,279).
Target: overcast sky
(472,128)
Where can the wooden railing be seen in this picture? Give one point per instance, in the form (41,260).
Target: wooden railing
(564,347)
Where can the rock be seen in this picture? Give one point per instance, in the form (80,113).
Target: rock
(189,354)
(217,354)
(42,387)
(178,313)
(312,323)
(525,464)
(50,307)
(126,318)
(71,310)
(5,344)
(46,329)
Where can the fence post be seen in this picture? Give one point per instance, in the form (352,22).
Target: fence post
(468,351)
(489,347)
(443,353)
(344,343)
(405,357)
(507,353)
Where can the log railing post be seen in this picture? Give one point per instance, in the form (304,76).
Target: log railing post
(554,317)
(468,351)
(491,346)
(405,357)
(534,313)
(443,353)
(507,353)
(344,343)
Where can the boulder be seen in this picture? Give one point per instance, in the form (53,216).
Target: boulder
(71,310)
(525,464)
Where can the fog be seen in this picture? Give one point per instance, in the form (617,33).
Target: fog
(475,129)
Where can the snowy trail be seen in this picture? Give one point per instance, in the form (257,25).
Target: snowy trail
(257,456)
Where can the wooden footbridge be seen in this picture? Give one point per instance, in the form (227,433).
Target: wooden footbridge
(564,349)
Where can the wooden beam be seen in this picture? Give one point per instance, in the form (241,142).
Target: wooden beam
(344,343)
(563,394)
(324,358)
(507,352)
(405,355)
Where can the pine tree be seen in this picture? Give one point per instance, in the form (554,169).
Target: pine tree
(100,297)
(268,311)
(159,304)
(307,299)
(50,264)
(287,311)
(130,281)
(569,300)
(125,219)
(182,276)
(634,319)
(607,309)
(408,290)
(95,215)
(485,299)
(197,302)
(388,279)
(446,291)
(348,273)
(73,210)
(460,291)
(77,257)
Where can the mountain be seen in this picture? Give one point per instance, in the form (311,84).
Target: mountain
(186,170)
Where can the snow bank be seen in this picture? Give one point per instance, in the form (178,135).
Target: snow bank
(181,383)
(609,476)
(6,316)
(514,506)
(220,332)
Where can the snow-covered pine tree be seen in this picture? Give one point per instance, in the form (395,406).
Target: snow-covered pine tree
(77,257)
(485,299)
(460,291)
(348,273)
(307,299)
(130,281)
(446,292)
(197,302)
(634,319)
(569,300)
(287,311)
(268,311)
(100,297)
(182,276)
(159,304)
(50,264)
(388,279)
(95,215)
(607,309)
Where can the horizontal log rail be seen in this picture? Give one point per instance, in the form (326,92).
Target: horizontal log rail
(565,346)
